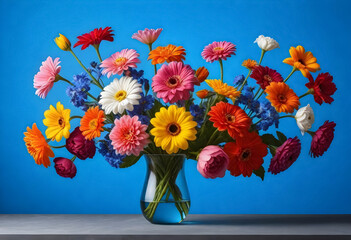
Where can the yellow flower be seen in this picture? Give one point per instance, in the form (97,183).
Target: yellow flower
(57,121)
(223,89)
(249,64)
(173,128)
(63,43)
(303,61)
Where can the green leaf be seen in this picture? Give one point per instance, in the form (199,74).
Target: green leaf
(260,172)
(282,138)
(269,139)
(130,161)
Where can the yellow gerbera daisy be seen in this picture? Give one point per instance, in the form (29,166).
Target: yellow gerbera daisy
(223,89)
(173,128)
(57,121)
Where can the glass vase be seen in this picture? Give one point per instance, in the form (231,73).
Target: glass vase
(165,197)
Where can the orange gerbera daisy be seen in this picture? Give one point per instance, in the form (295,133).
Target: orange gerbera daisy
(245,154)
(92,122)
(170,53)
(37,146)
(282,97)
(223,89)
(303,61)
(249,64)
(226,116)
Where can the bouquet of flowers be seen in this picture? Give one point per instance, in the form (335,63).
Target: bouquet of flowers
(223,129)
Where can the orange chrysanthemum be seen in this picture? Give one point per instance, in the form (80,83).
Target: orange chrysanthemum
(92,122)
(201,74)
(249,64)
(303,61)
(282,97)
(37,146)
(170,53)
(226,116)
(223,89)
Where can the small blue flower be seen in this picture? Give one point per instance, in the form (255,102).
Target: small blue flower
(247,98)
(144,119)
(198,113)
(106,150)
(96,69)
(139,75)
(267,115)
(238,80)
(77,91)
(145,104)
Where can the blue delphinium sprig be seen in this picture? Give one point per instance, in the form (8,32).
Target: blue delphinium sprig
(138,75)
(106,150)
(247,98)
(267,115)
(95,69)
(238,80)
(78,91)
(198,113)
(145,104)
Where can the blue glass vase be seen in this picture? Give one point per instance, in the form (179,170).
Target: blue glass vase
(165,197)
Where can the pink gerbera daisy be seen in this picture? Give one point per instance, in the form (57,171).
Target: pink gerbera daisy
(45,78)
(218,50)
(129,136)
(173,82)
(147,36)
(120,61)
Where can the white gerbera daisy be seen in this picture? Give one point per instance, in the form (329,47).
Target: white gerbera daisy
(121,95)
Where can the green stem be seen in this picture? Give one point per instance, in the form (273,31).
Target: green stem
(243,84)
(221,66)
(86,70)
(73,158)
(310,91)
(73,117)
(106,129)
(91,96)
(65,80)
(58,146)
(260,95)
(292,116)
(311,133)
(150,49)
(96,47)
(262,54)
(293,70)
(212,136)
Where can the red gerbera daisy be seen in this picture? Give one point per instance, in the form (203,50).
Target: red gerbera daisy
(245,154)
(265,75)
(95,37)
(322,88)
(226,116)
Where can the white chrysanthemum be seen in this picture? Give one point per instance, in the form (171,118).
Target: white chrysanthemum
(121,95)
(266,43)
(304,118)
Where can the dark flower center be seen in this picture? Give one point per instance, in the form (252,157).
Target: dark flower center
(267,78)
(173,81)
(61,122)
(245,155)
(302,61)
(173,129)
(282,98)
(230,118)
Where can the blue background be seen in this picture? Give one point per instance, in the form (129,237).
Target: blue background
(320,185)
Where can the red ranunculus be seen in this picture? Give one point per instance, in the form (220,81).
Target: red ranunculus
(322,139)
(323,88)
(265,75)
(65,167)
(79,146)
(95,37)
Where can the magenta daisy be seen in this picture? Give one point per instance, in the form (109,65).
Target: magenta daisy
(129,136)
(218,50)
(285,155)
(47,75)
(174,82)
(147,36)
(322,139)
(120,61)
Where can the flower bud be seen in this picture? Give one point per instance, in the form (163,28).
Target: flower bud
(65,167)
(304,118)
(63,43)
(212,162)
(202,93)
(266,43)
(202,74)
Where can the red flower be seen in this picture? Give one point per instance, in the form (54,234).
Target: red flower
(265,75)
(323,87)
(245,154)
(95,37)
(226,116)
(322,139)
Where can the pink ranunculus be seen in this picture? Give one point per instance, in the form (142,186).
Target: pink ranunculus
(147,36)
(79,146)
(45,78)
(322,139)
(212,162)
(65,167)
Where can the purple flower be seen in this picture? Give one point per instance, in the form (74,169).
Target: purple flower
(65,167)
(79,146)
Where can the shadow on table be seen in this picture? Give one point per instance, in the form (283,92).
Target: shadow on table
(270,219)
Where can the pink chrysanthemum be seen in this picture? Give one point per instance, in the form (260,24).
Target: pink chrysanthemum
(45,78)
(147,36)
(285,155)
(218,50)
(120,61)
(129,136)
(322,139)
(173,82)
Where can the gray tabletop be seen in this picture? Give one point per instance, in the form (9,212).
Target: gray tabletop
(194,227)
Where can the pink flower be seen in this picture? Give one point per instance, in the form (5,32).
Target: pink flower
(285,155)
(120,61)
(65,167)
(322,139)
(218,50)
(45,78)
(212,162)
(148,36)
(129,136)
(173,82)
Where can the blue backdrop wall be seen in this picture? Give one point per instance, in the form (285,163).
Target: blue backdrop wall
(28,28)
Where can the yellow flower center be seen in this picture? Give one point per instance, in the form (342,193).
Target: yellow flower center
(245,155)
(120,61)
(61,122)
(216,49)
(173,81)
(93,124)
(230,118)
(128,135)
(173,129)
(120,95)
